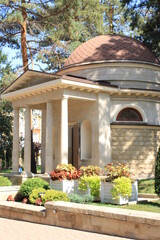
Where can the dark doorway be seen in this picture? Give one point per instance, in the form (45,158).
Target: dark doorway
(74,145)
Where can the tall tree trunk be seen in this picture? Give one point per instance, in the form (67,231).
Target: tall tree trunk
(23,38)
(111,11)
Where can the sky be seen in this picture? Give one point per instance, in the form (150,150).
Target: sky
(17,62)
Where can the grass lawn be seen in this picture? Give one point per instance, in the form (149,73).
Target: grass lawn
(145,206)
(146,186)
(6,171)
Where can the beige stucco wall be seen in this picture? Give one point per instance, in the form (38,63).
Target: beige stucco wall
(136,146)
(149,108)
(126,76)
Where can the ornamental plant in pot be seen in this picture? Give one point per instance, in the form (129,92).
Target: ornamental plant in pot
(62,178)
(121,191)
(90,181)
(109,182)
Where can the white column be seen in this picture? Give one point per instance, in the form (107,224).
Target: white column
(64,131)
(15,151)
(49,139)
(27,142)
(104,139)
(43,139)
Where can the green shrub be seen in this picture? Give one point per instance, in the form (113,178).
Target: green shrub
(81,199)
(93,182)
(54,195)
(36,193)
(30,184)
(121,187)
(157,173)
(4,181)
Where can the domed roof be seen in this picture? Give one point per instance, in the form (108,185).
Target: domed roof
(111,47)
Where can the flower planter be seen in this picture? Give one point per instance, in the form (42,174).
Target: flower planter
(64,186)
(134,196)
(106,195)
(68,187)
(8,190)
(80,192)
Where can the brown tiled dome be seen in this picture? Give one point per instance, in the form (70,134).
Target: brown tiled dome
(111,47)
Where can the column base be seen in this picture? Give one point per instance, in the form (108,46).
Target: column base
(46,174)
(27,174)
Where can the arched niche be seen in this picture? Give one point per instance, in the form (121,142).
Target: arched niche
(86,138)
(129,114)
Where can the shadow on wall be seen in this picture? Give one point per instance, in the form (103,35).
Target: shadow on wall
(136,147)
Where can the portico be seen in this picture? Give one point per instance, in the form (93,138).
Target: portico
(64,104)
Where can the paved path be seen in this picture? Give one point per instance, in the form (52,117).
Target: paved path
(19,230)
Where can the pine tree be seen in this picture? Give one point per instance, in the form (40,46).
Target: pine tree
(5,109)
(145,20)
(24,22)
(157,173)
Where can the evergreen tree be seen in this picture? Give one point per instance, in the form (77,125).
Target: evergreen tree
(24,22)
(49,31)
(145,19)
(114,20)
(5,110)
(81,21)
(157,174)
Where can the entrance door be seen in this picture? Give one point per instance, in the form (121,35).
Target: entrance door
(74,145)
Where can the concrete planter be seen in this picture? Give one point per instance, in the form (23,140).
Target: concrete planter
(68,187)
(64,186)
(6,191)
(134,196)
(106,196)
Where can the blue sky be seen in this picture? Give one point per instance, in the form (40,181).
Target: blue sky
(17,62)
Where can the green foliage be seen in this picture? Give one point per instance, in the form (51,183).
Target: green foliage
(113,171)
(54,195)
(36,193)
(55,28)
(4,181)
(65,171)
(157,173)
(144,19)
(122,186)
(91,170)
(5,111)
(81,199)
(66,167)
(30,184)
(93,182)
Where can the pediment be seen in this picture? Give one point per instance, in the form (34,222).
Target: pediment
(28,79)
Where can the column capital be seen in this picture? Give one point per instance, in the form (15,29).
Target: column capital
(65,97)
